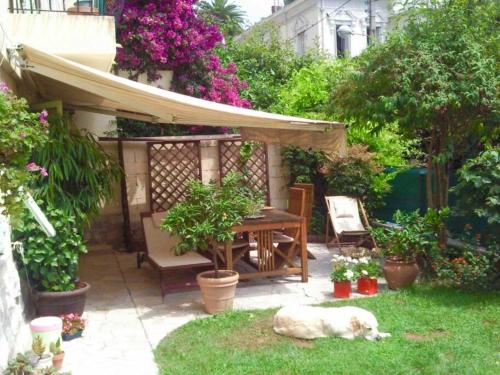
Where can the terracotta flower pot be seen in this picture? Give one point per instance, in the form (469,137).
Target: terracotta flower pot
(342,289)
(399,273)
(60,303)
(218,294)
(57,360)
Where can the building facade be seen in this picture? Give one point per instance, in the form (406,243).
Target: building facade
(337,27)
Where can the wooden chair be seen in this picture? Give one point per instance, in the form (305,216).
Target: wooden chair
(309,203)
(288,241)
(348,219)
(159,254)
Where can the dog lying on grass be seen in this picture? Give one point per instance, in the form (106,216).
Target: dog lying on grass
(308,322)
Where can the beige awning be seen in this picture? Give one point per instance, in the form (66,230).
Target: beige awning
(86,88)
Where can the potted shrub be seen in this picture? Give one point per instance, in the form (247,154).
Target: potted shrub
(342,276)
(57,353)
(205,219)
(73,326)
(413,235)
(367,270)
(52,263)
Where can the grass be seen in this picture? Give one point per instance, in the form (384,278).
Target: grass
(434,330)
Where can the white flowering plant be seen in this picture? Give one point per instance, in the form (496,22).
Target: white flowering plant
(343,269)
(368,268)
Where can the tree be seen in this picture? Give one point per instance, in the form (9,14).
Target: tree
(437,78)
(265,61)
(229,17)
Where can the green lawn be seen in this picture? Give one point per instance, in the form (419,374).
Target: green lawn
(434,331)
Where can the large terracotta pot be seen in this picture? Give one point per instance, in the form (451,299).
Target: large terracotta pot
(399,273)
(60,303)
(218,294)
(342,289)
(367,285)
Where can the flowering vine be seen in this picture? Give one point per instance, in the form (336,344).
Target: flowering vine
(168,35)
(21,132)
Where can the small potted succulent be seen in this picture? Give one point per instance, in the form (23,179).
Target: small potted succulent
(58,354)
(41,359)
(73,326)
(203,221)
(414,235)
(367,270)
(342,276)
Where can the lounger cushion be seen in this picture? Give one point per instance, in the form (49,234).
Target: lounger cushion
(344,214)
(160,247)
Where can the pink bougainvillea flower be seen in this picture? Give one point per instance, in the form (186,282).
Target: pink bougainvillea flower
(42,117)
(3,87)
(43,172)
(32,167)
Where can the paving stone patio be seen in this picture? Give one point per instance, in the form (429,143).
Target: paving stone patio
(127,316)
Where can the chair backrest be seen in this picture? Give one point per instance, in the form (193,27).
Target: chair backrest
(309,202)
(157,241)
(344,214)
(296,201)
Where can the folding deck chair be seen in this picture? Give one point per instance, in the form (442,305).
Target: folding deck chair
(160,255)
(349,227)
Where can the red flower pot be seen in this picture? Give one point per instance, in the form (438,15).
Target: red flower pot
(342,289)
(367,286)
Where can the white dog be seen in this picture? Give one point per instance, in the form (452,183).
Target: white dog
(308,322)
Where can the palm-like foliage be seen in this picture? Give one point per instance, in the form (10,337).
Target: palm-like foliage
(229,17)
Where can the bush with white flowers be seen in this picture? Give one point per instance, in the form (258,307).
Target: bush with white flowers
(368,268)
(344,269)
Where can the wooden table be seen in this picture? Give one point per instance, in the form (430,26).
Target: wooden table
(272,260)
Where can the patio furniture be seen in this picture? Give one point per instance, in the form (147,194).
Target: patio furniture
(160,255)
(348,219)
(309,203)
(288,240)
(268,255)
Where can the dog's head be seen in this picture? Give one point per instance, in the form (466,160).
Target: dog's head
(365,324)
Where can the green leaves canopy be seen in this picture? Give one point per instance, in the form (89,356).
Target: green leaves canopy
(209,212)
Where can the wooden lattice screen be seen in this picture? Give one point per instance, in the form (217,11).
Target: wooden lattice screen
(171,165)
(255,169)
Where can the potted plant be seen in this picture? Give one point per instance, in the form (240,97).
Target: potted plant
(57,353)
(413,235)
(205,219)
(73,326)
(52,263)
(41,360)
(342,276)
(367,270)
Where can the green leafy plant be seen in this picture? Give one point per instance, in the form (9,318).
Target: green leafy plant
(20,365)
(478,187)
(208,213)
(51,262)
(342,272)
(81,174)
(469,269)
(415,234)
(265,61)
(55,347)
(367,267)
(21,132)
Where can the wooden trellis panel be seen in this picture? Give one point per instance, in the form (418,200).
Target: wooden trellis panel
(171,165)
(255,169)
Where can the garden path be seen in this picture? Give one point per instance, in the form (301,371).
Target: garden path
(127,316)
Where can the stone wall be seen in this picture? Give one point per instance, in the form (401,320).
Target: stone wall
(108,228)
(14,329)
